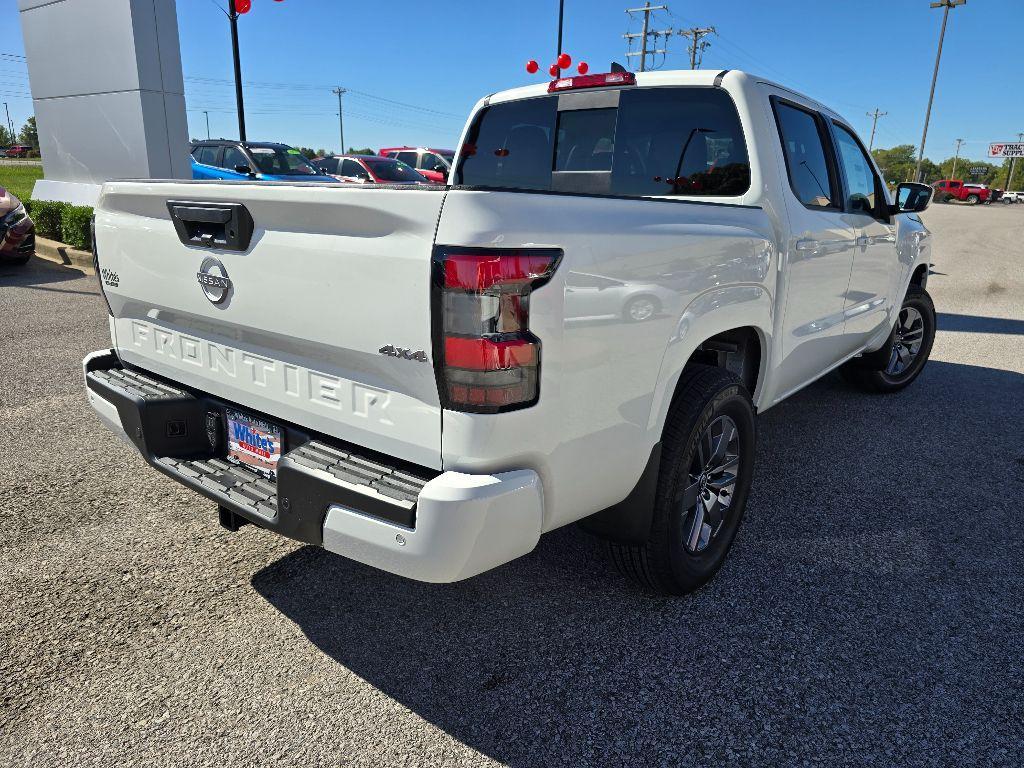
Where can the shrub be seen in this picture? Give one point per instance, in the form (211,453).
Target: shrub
(74,226)
(47,216)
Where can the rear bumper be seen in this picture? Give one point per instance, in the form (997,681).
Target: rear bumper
(408,520)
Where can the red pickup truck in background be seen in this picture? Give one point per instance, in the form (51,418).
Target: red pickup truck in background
(955,189)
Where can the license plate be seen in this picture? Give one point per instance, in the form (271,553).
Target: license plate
(253,442)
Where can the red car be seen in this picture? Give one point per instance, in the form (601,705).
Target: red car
(18,150)
(17,230)
(435,164)
(362,169)
(954,189)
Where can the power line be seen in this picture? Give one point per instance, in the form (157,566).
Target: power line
(307,87)
(645,33)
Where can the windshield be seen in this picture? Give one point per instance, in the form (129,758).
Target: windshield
(393,170)
(449,157)
(281,161)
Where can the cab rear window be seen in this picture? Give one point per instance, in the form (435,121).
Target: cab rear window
(678,142)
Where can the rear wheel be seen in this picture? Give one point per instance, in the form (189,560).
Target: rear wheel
(973,199)
(706,467)
(904,355)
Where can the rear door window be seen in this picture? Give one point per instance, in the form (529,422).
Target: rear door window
(803,143)
(352,169)
(511,145)
(681,141)
(207,155)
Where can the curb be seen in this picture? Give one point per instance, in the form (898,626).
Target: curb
(52,250)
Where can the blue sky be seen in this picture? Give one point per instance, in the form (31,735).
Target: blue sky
(415,68)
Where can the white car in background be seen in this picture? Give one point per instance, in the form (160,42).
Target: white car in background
(1012,197)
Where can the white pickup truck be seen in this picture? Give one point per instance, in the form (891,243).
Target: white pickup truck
(623,270)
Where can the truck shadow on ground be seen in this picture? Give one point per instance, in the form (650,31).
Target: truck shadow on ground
(978,324)
(42,275)
(858,600)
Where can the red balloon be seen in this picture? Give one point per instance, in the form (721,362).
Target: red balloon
(582,67)
(243,6)
(564,61)
(553,69)
(532,66)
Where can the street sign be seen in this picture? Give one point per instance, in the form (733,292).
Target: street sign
(1008,149)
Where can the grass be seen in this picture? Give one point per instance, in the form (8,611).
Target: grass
(20,179)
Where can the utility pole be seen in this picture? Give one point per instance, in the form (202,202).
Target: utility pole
(874,115)
(646,32)
(945,5)
(1013,162)
(233,20)
(697,44)
(207,123)
(338,91)
(956,157)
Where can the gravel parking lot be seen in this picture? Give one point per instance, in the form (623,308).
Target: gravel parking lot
(871,613)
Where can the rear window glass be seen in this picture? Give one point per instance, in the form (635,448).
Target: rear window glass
(659,142)
(511,145)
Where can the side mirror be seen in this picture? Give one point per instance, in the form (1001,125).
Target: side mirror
(912,197)
(243,169)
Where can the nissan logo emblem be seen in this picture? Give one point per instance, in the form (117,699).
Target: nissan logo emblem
(213,279)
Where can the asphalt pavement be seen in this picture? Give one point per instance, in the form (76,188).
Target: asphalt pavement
(871,611)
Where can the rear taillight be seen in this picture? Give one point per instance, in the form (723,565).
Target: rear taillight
(486,358)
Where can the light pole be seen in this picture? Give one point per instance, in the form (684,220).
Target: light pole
(561,12)
(956,157)
(207,123)
(945,5)
(233,20)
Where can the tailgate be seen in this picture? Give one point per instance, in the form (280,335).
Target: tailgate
(330,277)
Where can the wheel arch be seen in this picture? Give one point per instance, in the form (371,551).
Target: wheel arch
(729,328)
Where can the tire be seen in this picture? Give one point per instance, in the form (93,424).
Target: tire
(973,199)
(640,309)
(682,553)
(880,371)
(17,261)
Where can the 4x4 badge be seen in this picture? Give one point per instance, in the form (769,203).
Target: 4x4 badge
(405,354)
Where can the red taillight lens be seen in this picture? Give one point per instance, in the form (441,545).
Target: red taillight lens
(487,359)
(592,81)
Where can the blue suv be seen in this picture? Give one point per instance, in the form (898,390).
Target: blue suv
(267,161)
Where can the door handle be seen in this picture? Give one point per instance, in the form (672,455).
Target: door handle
(807,245)
(863,241)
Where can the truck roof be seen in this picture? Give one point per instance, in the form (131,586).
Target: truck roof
(648,79)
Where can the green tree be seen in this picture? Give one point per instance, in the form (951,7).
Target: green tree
(29,134)
(6,138)
(363,151)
